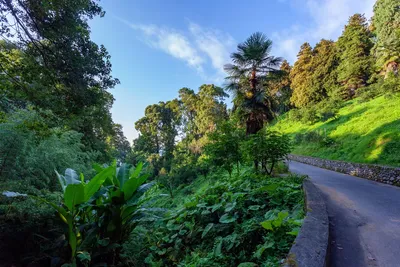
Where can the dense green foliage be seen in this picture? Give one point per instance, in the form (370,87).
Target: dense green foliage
(49,63)
(385,26)
(224,222)
(267,147)
(354,47)
(301,77)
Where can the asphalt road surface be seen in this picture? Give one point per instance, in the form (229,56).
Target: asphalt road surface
(364,218)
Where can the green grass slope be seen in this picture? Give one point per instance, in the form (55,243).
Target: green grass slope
(366,132)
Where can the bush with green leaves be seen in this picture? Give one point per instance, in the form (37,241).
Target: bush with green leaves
(235,220)
(318,137)
(391,85)
(224,150)
(309,115)
(268,148)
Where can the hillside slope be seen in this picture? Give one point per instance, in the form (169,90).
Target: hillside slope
(366,132)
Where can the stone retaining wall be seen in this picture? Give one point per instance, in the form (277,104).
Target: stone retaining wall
(382,174)
(310,249)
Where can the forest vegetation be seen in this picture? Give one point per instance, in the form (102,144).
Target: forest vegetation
(202,184)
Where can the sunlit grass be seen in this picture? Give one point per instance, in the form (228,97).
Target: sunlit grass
(363,132)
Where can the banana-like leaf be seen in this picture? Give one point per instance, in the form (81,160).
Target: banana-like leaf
(61,211)
(96,182)
(70,177)
(127,212)
(132,185)
(97,167)
(74,195)
(123,174)
(136,171)
(61,180)
(207,229)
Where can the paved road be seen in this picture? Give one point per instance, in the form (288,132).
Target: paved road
(364,218)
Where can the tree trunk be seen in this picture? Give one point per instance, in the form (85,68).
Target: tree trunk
(272,168)
(264,166)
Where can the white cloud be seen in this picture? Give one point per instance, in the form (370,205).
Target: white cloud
(201,48)
(214,44)
(171,42)
(328,18)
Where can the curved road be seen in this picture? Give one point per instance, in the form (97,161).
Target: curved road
(364,218)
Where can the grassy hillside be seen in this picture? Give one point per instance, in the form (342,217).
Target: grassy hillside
(366,132)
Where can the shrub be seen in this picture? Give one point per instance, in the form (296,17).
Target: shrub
(391,84)
(223,150)
(315,137)
(298,138)
(268,148)
(295,115)
(328,109)
(309,115)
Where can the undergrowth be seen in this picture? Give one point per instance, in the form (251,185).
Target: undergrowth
(220,221)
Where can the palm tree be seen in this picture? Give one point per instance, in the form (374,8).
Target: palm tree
(247,78)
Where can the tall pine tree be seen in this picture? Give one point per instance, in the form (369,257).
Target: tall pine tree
(386,27)
(324,64)
(301,77)
(354,47)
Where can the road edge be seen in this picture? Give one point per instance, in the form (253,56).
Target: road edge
(310,249)
(378,173)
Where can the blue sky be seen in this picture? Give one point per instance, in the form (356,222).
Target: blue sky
(160,46)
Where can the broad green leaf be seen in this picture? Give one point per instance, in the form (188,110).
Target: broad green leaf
(132,185)
(283,215)
(207,229)
(74,194)
(123,174)
(97,181)
(71,177)
(267,225)
(295,231)
(259,252)
(269,188)
(216,207)
(218,248)
(84,256)
(97,167)
(191,204)
(127,212)
(230,206)
(61,180)
(137,170)
(226,218)
(254,207)
(270,215)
